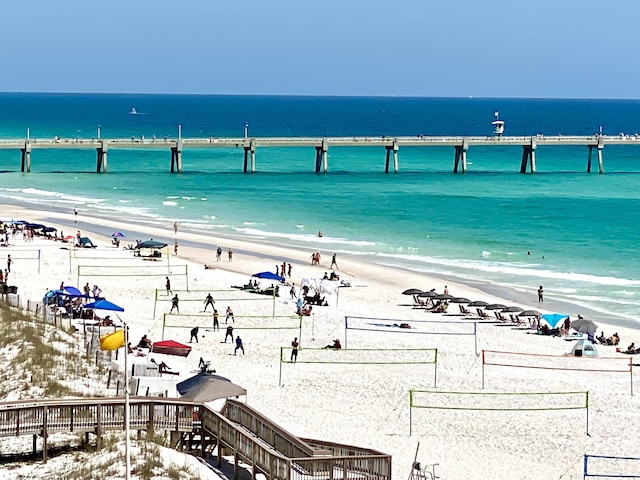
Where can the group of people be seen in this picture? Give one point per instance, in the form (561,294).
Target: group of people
(284,270)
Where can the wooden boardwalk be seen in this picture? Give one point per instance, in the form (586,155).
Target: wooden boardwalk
(238,431)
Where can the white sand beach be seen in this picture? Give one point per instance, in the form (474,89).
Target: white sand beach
(358,404)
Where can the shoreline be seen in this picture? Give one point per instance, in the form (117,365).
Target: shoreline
(199,247)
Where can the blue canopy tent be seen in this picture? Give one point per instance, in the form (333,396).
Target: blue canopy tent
(268,276)
(103,304)
(553,318)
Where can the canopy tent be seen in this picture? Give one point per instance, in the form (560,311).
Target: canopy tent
(584,348)
(553,318)
(171,347)
(151,244)
(269,276)
(103,304)
(329,287)
(86,242)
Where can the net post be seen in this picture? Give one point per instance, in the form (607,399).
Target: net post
(631,374)
(475,336)
(435,370)
(587,411)
(346,329)
(584,469)
(280,376)
(78,276)
(155,303)
(164,321)
(300,329)
(186,273)
(482,369)
(69,261)
(273,311)
(410,411)
(39,260)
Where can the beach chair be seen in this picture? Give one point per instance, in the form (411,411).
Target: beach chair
(482,314)
(464,311)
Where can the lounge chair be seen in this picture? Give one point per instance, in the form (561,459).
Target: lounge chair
(464,311)
(482,314)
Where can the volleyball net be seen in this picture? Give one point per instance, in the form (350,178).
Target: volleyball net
(134,271)
(362,356)
(28,255)
(226,297)
(414,327)
(557,362)
(601,466)
(498,401)
(241,322)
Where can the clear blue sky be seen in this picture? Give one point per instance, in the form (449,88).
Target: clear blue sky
(499,48)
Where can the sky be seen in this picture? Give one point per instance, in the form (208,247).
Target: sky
(446,48)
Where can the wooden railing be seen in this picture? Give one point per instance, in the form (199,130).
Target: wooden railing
(249,435)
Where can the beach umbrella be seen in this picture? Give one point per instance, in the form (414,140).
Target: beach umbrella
(151,244)
(35,226)
(553,318)
(117,234)
(184,386)
(584,326)
(430,294)
(209,389)
(443,296)
(68,237)
(478,303)
(495,306)
(49,229)
(72,291)
(412,291)
(460,300)
(529,313)
(512,309)
(103,304)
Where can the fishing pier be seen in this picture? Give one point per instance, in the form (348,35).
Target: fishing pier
(391,145)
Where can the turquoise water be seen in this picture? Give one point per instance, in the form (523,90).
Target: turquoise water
(581,229)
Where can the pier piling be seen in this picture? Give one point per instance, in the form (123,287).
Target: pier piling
(101,162)
(26,157)
(176,157)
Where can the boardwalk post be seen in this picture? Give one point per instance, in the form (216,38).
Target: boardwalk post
(26,157)
(45,420)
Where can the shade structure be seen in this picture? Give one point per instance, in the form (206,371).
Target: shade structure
(171,347)
(49,229)
(191,382)
(495,306)
(213,389)
(103,304)
(584,326)
(268,276)
(117,234)
(529,313)
(35,226)
(554,318)
(151,244)
(72,290)
(113,341)
(513,309)
(478,303)
(412,291)
(460,300)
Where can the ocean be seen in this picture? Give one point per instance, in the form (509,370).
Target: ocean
(574,233)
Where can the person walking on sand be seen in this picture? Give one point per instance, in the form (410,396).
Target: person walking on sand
(294,350)
(174,304)
(9,262)
(292,292)
(168,285)
(230,253)
(229,316)
(334,262)
(75,215)
(540,295)
(239,346)
(175,227)
(175,247)
(216,321)
(209,301)
(228,333)
(218,254)
(194,334)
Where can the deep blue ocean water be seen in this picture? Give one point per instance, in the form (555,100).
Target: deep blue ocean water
(581,230)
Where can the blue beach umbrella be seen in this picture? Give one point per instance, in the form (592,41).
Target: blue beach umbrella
(268,276)
(103,304)
(554,318)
